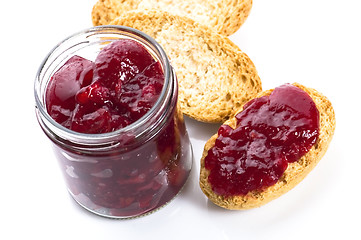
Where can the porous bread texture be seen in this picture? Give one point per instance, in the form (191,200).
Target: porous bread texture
(215,77)
(105,11)
(294,173)
(223,16)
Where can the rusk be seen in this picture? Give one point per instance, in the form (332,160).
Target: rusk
(215,77)
(294,173)
(224,16)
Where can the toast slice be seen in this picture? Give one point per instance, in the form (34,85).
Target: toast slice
(214,75)
(223,16)
(295,171)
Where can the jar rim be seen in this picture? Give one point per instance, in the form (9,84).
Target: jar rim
(113,29)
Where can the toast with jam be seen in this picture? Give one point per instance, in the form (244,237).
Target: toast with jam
(267,148)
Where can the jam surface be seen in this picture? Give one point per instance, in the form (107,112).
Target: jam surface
(116,90)
(271,132)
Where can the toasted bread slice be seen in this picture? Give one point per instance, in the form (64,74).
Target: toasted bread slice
(223,16)
(295,171)
(214,75)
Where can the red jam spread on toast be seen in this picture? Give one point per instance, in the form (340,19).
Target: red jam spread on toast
(116,90)
(272,131)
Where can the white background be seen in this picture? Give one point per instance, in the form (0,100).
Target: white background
(314,42)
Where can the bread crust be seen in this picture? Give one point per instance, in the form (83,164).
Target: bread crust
(223,16)
(215,77)
(294,173)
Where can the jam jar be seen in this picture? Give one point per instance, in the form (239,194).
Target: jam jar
(129,171)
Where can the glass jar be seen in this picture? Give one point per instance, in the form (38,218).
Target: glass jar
(131,171)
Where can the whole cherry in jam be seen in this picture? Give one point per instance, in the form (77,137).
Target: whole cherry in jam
(272,131)
(115,90)
(75,74)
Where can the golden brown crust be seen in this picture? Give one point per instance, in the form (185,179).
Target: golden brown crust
(215,76)
(295,172)
(223,16)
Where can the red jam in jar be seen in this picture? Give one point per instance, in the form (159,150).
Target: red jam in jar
(271,132)
(107,98)
(120,87)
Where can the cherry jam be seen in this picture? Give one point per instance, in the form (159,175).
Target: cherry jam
(272,131)
(107,98)
(116,90)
